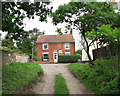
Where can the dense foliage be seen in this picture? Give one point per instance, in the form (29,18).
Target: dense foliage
(102,78)
(14,13)
(36,58)
(60,86)
(106,35)
(68,58)
(79,52)
(8,42)
(17,75)
(85,16)
(12,50)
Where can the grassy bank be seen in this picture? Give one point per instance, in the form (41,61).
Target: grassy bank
(60,86)
(17,75)
(102,78)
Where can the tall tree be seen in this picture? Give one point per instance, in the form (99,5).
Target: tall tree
(85,16)
(25,45)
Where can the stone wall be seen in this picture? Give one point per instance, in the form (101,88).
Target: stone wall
(9,57)
(21,57)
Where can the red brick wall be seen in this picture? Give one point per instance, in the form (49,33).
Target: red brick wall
(52,47)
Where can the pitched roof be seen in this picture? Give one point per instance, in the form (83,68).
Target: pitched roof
(55,38)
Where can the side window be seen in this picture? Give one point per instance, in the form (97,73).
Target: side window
(45,46)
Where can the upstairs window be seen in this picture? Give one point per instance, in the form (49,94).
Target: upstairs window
(45,46)
(67,46)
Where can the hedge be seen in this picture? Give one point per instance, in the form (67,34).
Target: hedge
(68,58)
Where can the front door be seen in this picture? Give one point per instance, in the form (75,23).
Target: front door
(55,57)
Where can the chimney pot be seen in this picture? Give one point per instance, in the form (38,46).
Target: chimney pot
(39,32)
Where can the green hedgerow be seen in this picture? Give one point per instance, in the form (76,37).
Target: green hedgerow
(101,78)
(17,75)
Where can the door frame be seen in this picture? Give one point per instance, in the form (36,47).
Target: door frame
(55,51)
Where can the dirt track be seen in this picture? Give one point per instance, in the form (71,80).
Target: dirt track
(46,85)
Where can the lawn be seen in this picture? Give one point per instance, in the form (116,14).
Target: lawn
(60,86)
(101,78)
(18,75)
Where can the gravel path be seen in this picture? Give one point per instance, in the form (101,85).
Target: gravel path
(46,85)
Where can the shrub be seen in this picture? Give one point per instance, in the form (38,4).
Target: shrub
(102,78)
(42,58)
(79,52)
(36,58)
(68,58)
(18,75)
(48,58)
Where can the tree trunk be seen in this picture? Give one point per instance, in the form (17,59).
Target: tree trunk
(87,51)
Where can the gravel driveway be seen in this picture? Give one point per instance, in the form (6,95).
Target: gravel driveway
(46,85)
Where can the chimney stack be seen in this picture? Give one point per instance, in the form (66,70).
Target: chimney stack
(71,32)
(39,33)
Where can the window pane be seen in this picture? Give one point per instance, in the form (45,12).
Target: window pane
(45,46)
(67,45)
(45,56)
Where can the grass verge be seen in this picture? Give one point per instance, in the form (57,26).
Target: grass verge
(60,86)
(18,75)
(102,78)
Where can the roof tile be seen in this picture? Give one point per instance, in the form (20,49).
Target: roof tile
(55,38)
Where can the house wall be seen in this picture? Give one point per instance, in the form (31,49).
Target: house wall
(52,47)
(91,48)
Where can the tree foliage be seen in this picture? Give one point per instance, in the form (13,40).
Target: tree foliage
(25,45)
(85,16)
(8,42)
(14,13)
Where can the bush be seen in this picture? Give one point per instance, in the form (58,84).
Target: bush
(36,58)
(79,52)
(42,58)
(18,75)
(68,58)
(102,78)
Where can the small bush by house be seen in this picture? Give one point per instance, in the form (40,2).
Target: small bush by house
(68,58)
(36,58)
(18,75)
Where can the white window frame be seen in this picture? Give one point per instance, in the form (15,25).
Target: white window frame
(67,52)
(60,52)
(45,53)
(43,46)
(65,45)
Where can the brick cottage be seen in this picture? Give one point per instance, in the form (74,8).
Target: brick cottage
(50,46)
